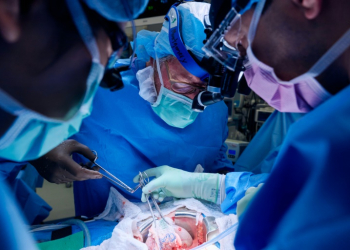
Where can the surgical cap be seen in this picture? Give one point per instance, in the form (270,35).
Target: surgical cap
(118,10)
(191,28)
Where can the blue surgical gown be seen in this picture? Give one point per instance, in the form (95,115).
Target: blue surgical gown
(305,202)
(129,137)
(257,160)
(13,233)
(23,184)
(262,151)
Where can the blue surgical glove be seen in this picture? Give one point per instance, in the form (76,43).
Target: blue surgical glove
(172,182)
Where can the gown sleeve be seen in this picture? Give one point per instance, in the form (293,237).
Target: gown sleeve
(256,162)
(305,202)
(236,183)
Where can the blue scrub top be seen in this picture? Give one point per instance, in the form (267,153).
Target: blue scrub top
(130,137)
(305,202)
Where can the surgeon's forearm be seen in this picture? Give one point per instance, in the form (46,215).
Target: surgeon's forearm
(209,187)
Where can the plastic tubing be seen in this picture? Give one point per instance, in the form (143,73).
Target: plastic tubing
(83,227)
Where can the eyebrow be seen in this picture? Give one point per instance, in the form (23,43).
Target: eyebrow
(186,76)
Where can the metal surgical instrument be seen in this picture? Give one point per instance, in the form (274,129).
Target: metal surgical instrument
(114,179)
(143,180)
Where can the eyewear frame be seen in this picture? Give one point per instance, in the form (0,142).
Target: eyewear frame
(193,87)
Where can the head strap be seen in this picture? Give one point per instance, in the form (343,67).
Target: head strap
(179,47)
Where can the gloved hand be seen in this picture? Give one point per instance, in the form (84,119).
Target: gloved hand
(243,203)
(180,184)
(58,166)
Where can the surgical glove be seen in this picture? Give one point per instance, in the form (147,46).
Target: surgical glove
(243,203)
(172,182)
(57,166)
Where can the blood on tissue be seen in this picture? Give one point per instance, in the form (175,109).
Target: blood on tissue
(164,236)
(138,238)
(179,240)
(200,231)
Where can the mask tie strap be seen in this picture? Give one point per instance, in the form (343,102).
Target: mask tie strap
(10,105)
(14,107)
(160,77)
(84,29)
(331,55)
(255,21)
(158,65)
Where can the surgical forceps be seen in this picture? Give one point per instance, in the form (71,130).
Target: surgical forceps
(114,179)
(143,180)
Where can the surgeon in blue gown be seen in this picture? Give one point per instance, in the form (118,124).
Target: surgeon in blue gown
(304,203)
(52,62)
(129,136)
(253,166)
(144,141)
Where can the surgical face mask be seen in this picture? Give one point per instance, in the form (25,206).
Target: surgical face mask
(174,109)
(32,134)
(146,82)
(300,94)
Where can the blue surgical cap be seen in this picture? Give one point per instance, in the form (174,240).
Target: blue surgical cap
(118,10)
(192,31)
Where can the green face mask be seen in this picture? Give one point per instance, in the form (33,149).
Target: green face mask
(174,109)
